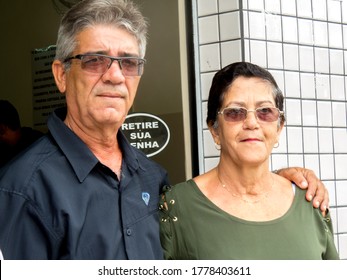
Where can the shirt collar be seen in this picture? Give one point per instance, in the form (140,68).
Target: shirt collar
(77,152)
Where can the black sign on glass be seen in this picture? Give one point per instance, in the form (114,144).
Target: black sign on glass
(146,132)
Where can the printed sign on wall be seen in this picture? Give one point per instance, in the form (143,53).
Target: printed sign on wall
(46,96)
(146,132)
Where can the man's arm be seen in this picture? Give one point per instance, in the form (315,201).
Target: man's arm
(306,179)
(23,234)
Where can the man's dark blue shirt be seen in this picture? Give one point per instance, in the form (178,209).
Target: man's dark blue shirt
(57,201)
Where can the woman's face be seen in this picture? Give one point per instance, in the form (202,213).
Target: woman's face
(249,141)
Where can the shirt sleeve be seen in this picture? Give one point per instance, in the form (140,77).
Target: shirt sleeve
(165,216)
(24,234)
(331,252)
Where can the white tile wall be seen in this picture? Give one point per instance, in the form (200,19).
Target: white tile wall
(292,84)
(293,111)
(304,8)
(326,144)
(324,113)
(231,51)
(256,25)
(342,216)
(309,113)
(279,76)
(339,109)
(326,162)
(320,33)
(279,160)
(290,29)
(226,21)
(340,167)
(340,140)
(307,59)
(319,10)
(334,10)
(322,86)
(336,61)
(344,12)
(208,30)
(341,191)
(307,83)
(273,27)
(227,5)
(331,186)
(295,140)
(305,31)
(256,5)
(206,80)
(295,160)
(321,58)
(310,140)
(337,87)
(335,35)
(207,7)
(209,57)
(274,55)
(288,7)
(291,56)
(343,245)
(258,52)
(313,162)
(273,6)
(304,45)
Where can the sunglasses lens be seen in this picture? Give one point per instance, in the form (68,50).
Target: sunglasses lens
(95,64)
(267,114)
(237,114)
(234,114)
(132,66)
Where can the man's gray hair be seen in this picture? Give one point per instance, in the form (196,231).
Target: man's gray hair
(88,13)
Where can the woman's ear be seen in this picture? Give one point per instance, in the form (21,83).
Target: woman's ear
(215,133)
(59,74)
(280,126)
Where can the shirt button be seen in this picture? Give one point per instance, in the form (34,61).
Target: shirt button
(129,231)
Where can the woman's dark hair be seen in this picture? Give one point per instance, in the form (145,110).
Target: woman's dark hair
(223,80)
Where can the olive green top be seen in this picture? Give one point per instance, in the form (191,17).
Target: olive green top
(195,228)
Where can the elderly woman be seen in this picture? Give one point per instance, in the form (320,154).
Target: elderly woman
(240,209)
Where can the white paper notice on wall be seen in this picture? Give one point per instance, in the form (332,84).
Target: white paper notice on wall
(46,96)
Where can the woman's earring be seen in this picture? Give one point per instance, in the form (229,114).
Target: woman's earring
(277,145)
(217,146)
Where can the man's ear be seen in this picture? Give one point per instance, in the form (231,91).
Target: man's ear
(59,74)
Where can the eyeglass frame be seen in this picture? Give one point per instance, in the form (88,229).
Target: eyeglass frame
(281,113)
(119,59)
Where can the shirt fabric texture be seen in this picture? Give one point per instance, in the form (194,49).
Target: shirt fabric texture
(192,227)
(57,201)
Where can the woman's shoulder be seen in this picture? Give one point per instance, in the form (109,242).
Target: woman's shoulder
(179,187)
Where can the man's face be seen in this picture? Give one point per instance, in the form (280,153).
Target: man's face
(99,100)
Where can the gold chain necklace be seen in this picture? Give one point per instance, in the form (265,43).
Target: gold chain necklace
(263,196)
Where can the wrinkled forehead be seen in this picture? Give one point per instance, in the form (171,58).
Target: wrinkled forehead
(108,40)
